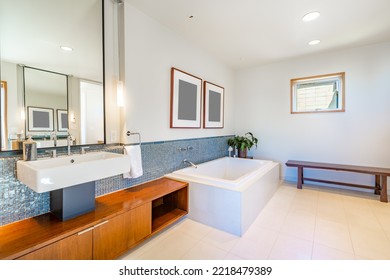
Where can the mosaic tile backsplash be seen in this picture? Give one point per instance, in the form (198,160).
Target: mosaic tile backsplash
(18,202)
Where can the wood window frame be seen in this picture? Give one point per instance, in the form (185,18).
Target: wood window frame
(294,81)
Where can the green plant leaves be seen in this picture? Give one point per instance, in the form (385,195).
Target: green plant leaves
(243,142)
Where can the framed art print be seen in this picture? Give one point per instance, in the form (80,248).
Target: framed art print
(62,120)
(186,95)
(213,105)
(40,119)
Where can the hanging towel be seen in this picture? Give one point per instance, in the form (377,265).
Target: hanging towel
(134,155)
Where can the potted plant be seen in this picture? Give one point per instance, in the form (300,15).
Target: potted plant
(243,143)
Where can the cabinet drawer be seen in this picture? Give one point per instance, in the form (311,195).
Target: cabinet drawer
(119,234)
(74,247)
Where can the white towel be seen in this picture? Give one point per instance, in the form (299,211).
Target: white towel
(134,155)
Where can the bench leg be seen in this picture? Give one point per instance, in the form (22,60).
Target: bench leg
(377,184)
(300,178)
(384,197)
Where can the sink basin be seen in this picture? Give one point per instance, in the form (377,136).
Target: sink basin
(51,174)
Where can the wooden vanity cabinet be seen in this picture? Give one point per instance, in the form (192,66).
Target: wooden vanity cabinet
(75,247)
(114,237)
(104,241)
(120,221)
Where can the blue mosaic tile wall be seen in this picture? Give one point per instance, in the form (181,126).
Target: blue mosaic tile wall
(18,202)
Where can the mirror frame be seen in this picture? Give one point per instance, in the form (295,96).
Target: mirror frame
(27,107)
(18,151)
(3,99)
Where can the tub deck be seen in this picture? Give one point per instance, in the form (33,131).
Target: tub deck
(229,203)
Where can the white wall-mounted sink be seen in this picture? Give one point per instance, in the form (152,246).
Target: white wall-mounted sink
(50,174)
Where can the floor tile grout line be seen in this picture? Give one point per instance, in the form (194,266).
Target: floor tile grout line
(279,230)
(189,249)
(212,245)
(380,223)
(349,228)
(273,246)
(315,228)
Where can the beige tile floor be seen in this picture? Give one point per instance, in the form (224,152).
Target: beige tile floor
(312,223)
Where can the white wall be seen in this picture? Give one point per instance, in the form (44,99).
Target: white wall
(151,50)
(360,135)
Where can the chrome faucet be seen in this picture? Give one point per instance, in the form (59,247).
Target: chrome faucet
(69,140)
(83,150)
(53,136)
(53,153)
(192,164)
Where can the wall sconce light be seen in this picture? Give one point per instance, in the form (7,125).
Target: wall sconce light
(22,114)
(119,94)
(119,83)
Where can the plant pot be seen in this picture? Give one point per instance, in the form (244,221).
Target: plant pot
(242,153)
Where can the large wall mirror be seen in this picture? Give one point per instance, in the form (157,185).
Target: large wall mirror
(52,80)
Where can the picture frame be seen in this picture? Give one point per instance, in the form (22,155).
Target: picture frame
(62,120)
(186,100)
(40,119)
(213,110)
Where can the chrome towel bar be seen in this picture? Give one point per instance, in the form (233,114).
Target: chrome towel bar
(128,133)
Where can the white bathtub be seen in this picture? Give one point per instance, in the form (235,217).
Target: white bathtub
(229,193)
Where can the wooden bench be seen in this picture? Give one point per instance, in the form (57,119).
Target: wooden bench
(380,174)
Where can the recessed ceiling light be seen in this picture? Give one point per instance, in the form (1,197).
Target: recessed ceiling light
(314,42)
(311,16)
(65,48)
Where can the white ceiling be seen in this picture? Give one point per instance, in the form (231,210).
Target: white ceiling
(243,33)
(240,33)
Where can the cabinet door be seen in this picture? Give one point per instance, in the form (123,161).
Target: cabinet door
(115,236)
(74,247)
(140,223)
(110,238)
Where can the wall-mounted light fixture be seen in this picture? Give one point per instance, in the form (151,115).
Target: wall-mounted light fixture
(119,83)
(22,114)
(119,94)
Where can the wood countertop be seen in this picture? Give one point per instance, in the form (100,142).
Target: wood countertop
(25,236)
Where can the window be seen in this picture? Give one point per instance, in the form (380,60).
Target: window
(323,93)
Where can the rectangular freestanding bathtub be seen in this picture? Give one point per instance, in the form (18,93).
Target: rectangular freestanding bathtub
(229,193)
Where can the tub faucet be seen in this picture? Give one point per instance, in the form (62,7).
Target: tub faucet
(192,164)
